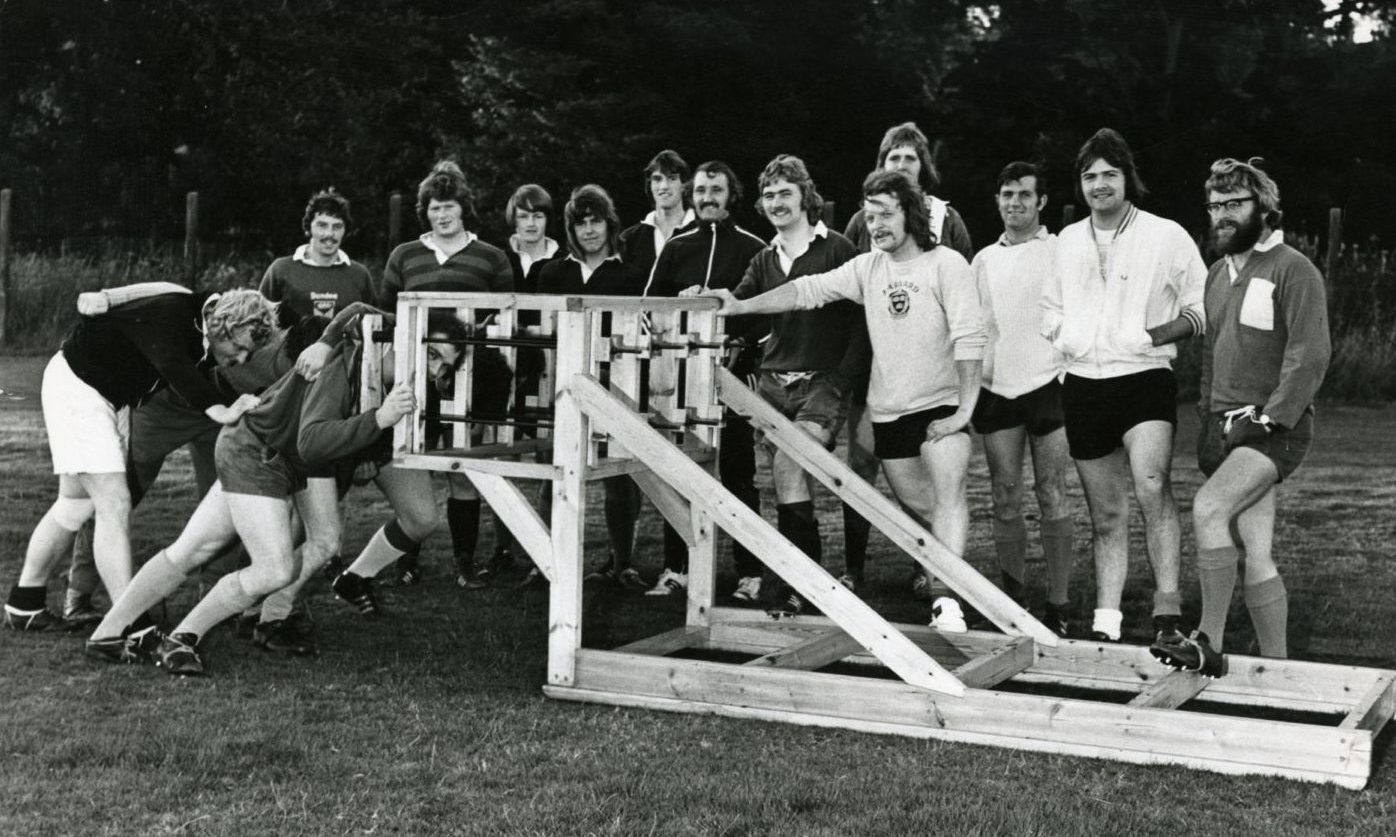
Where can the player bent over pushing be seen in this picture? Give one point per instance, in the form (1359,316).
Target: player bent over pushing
(919,302)
(1264,358)
(108,364)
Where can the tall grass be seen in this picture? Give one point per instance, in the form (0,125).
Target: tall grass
(44,287)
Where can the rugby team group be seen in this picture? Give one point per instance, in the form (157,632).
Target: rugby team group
(1054,347)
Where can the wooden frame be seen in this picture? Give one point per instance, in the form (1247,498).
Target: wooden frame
(1024,688)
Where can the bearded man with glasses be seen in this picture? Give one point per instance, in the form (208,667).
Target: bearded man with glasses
(1264,358)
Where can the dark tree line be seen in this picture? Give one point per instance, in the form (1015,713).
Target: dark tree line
(110,111)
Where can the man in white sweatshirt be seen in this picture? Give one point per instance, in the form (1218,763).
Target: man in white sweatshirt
(927,333)
(1127,285)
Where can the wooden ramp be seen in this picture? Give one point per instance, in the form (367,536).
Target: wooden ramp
(1024,688)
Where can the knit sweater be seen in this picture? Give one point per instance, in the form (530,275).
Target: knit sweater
(922,314)
(133,349)
(1267,340)
(306,289)
(418,266)
(1098,317)
(946,225)
(806,341)
(1009,277)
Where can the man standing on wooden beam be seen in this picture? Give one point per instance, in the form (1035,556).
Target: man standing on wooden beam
(1021,403)
(1264,358)
(711,253)
(919,303)
(1126,287)
(810,356)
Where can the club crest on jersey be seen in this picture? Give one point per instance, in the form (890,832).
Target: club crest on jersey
(899,298)
(323,303)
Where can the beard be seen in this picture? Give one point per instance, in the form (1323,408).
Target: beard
(1242,236)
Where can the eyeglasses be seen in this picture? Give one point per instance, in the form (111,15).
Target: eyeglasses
(1216,207)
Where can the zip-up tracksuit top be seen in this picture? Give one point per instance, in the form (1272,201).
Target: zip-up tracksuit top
(637,243)
(1154,274)
(711,254)
(1267,340)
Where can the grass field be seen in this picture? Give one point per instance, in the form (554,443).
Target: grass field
(433,722)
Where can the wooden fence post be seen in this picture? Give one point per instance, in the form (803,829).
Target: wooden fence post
(6,225)
(1335,243)
(394,221)
(191,236)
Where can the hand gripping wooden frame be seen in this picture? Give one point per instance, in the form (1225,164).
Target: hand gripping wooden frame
(1023,688)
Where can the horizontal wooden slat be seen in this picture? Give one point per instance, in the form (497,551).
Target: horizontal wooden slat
(1171,691)
(989,670)
(813,653)
(1125,733)
(555,302)
(668,642)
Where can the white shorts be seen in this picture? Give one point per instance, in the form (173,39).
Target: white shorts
(86,434)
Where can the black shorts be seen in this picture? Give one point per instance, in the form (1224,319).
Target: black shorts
(901,438)
(1286,447)
(1040,411)
(1099,412)
(817,399)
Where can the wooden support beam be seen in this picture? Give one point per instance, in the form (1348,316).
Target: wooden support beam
(1375,708)
(1219,743)
(809,579)
(702,566)
(571,436)
(557,302)
(989,670)
(668,642)
(1171,691)
(811,654)
(672,505)
(607,467)
(896,524)
(462,462)
(524,522)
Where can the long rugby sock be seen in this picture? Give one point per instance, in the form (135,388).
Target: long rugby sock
(1058,549)
(152,584)
(1268,603)
(28,598)
(1168,604)
(82,571)
(1011,545)
(856,529)
(1216,572)
(229,597)
(463,517)
(386,546)
(797,522)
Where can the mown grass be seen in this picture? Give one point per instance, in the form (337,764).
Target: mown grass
(433,722)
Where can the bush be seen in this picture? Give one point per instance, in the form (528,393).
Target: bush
(44,287)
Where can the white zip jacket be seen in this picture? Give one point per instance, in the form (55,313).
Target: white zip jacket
(1098,318)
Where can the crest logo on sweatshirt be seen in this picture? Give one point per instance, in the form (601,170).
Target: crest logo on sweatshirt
(898,293)
(323,303)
